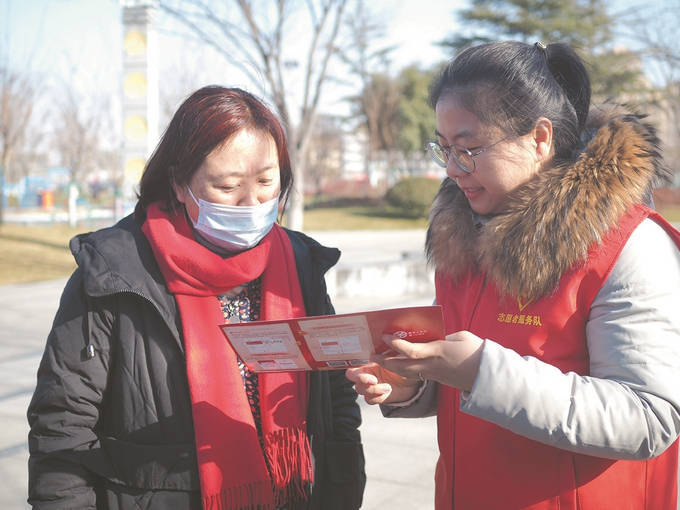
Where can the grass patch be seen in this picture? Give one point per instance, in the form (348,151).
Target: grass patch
(35,253)
(671,213)
(357,217)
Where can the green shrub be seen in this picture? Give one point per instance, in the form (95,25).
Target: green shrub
(413,196)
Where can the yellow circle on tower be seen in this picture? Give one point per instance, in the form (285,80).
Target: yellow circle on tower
(135,128)
(134,42)
(133,169)
(134,85)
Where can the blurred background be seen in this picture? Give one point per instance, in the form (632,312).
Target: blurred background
(88,86)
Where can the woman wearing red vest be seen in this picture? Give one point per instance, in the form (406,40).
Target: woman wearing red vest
(558,383)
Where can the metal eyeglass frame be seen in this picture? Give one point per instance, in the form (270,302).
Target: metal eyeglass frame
(441,155)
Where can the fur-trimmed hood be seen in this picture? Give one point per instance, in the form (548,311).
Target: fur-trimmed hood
(553,219)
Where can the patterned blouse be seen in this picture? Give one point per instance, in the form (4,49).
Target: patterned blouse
(243,307)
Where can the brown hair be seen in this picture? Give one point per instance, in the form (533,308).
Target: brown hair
(205,120)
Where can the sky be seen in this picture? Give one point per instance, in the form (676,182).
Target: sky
(78,42)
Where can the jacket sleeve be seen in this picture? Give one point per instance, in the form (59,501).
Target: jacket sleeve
(346,413)
(423,404)
(633,336)
(64,409)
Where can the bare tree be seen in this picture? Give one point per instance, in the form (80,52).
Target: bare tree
(17,100)
(77,138)
(32,157)
(324,158)
(259,41)
(180,78)
(365,58)
(77,134)
(654,30)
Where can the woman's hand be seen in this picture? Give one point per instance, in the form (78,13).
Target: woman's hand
(453,361)
(380,386)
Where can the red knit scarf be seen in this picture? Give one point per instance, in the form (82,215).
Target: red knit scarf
(231,462)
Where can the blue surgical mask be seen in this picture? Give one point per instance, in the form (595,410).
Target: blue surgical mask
(234,227)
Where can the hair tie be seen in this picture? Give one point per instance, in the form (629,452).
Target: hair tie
(540,46)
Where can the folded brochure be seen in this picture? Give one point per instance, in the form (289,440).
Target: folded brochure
(329,342)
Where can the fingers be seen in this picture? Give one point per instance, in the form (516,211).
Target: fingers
(376,394)
(413,361)
(365,374)
(368,385)
(409,349)
(415,370)
(400,366)
(363,378)
(378,400)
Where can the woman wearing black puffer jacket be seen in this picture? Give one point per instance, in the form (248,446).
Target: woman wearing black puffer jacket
(140,402)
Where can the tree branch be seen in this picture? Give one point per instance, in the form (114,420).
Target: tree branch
(207,39)
(330,50)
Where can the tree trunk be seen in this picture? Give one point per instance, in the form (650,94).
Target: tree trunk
(2,196)
(296,201)
(4,163)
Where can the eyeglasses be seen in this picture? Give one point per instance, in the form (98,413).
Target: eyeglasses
(463,157)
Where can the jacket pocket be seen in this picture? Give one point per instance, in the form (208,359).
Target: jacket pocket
(146,466)
(117,497)
(346,475)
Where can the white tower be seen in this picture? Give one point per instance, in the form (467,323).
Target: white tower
(140,93)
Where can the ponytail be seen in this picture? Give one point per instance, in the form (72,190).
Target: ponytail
(571,74)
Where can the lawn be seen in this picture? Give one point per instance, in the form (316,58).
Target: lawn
(359,218)
(35,253)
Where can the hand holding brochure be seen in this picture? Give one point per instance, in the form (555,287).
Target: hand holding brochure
(329,342)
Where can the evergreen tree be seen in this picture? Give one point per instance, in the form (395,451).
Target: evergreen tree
(584,24)
(416,120)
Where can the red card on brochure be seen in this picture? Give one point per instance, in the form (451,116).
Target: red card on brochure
(329,342)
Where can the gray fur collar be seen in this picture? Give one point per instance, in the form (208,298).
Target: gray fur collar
(552,220)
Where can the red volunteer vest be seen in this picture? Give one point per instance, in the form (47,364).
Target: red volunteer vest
(484,466)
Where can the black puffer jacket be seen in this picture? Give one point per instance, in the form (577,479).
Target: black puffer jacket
(111,422)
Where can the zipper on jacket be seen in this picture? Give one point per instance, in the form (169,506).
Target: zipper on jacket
(89,351)
(178,340)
